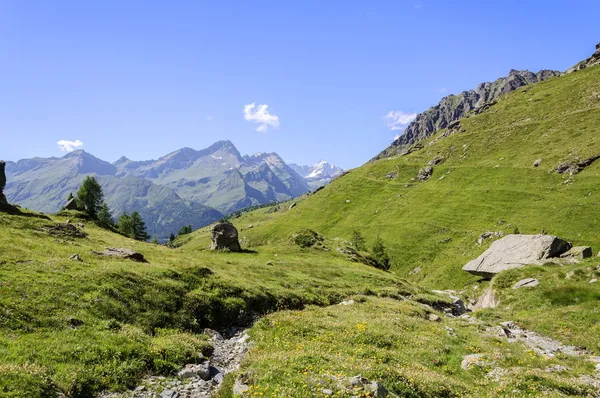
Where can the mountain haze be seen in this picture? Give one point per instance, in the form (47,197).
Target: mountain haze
(184,187)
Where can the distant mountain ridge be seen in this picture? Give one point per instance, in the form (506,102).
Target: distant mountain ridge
(186,186)
(319,174)
(453,107)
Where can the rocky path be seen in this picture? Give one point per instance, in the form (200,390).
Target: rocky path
(196,380)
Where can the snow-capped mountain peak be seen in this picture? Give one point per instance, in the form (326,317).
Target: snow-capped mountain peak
(319,174)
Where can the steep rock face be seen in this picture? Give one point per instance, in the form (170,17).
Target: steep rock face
(453,107)
(586,63)
(2,182)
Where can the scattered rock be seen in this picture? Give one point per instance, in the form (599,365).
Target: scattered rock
(487,300)
(122,253)
(224,236)
(327,391)
(433,318)
(578,252)
(542,345)
(196,370)
(564,167)
(64,230)
(348,302)
(292,206)
(435,161)
(169,394)
(347,200)
(488,235)
(473,360)
(515,251)
(239,388)
(76,257)
(593,280)
(250,226)
(425,173)
(269,262)
(537,163)
(527,282)
(591,61)
(415,271)
(391,175)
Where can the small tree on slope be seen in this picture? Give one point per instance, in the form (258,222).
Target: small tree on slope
(90,196)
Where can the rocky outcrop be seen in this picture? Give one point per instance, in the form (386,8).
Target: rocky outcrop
(122,253)
(3,200)
(453,107)
(225,237)
(527,282)
(515,251)
(586,63)
(578,253)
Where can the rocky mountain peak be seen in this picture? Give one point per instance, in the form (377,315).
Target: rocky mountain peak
(452,107)
(586,63)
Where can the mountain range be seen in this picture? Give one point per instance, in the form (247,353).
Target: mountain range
(184,187)
(319,174)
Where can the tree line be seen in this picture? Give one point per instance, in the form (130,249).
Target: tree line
(90,200)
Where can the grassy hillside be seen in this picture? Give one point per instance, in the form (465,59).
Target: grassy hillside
(487,182)
(80,327)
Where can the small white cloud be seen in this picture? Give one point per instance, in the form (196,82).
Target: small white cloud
(441,90)
(261,116)
(398,120)
(210,118)
(69,146)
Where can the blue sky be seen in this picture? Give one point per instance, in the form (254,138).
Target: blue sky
(143,78)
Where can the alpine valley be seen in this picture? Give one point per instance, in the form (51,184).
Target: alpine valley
(184,187)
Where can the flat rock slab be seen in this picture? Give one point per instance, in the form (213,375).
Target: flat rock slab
(527,282)
(515,251)
(122,253)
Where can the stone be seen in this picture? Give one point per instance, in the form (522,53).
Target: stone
(433,318)
(586,63)
(327,391)
(377,390)
(169,394)
(64,230)
(357,380)
(594,280)
(537,163)
(435,161)
(292,206)
(348,302)
(425,173)
(487,300)
(122,253)
(269,262)
(527,282)
(578,252)
(472,360)
(250,226)
(3,200)
(488,235)
(225,237)
(202,371)
(564,167)
(515,251)
(76,257)
(239,388)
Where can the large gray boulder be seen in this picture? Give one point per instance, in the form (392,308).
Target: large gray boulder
(3,200)
(225,237)
(515,251)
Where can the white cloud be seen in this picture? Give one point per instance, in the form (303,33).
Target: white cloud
(261,116)
(69,146)
(210,118)
(398,120)
(441,90)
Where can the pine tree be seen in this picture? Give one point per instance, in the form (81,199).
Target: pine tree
(186,229)
(171,237)
(70,196)
(358,241)
(379,253)
(90,196)
(105,218)
(155,240)
(139,227)
(125,225)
